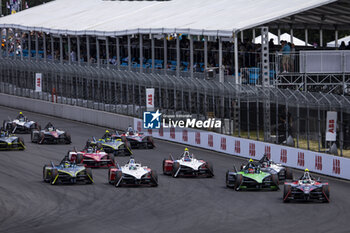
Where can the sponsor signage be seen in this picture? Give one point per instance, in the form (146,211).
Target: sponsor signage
(38,82)
(150,99)
(331,132)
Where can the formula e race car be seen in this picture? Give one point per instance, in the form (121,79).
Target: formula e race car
(136,139)
(10,141)
(20,125)
(187,165)
(50,135)
(306,188)
(132,173)
(251,177)
(67,173)
(112,144)
(92,156)
(271,167)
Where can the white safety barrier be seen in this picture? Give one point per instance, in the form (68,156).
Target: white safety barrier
(289,156)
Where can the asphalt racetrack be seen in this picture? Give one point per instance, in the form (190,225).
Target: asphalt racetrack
(27,204)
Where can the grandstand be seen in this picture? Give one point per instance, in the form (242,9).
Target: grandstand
(194,53)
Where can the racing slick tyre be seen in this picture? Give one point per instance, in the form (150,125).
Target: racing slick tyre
(67,138)
(289,174)
(150,142)
(242,166)
(54,173)
(127,151)
(227,182)
(210,168)
(34,136)
(275,181)
(325,190)
(163,166)
(176,167)
(286,189)
(20,145)
(41,138)
(118,178)
(45,177)
(154,178)
(109,176)
(79,159)
(238,181)
(111,157)
(89,179)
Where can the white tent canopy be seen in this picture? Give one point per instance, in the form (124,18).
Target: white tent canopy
(284,36)
(197,17)
(345,39)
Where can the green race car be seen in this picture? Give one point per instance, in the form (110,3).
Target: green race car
(10,141)
(251,178)
(112,145)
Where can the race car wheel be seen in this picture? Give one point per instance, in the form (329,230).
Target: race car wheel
(176,167)
(45,177)
(164,172)
(150,142)
(154,178)
(210,168)
(127,151)
(227,182)
(20,145)
(67,138)
(54,173)
(238,181)
(325,190)
(79,158)
(275,180)
(287,188)
(109,176)
(289,174)
(111,157)
(41,138)
(242,166)
(34,136)
(118,178)
(89,175)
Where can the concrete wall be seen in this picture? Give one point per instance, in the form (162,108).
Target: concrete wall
(110,120)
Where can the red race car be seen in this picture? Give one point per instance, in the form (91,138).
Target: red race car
(92,157)
(305,189)
(132,173)
(187,165)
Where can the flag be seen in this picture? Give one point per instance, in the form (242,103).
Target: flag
(27,5)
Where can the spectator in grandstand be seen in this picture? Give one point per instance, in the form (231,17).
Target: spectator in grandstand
(285,56)
(292,57)
(342,46)
(271,45)
(73,56)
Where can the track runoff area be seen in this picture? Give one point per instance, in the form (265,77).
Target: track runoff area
(27,204)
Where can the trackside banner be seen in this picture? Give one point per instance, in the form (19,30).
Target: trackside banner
(150,99)
(331,132)
(291,157)
(38,82)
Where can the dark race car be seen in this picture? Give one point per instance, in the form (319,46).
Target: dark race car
(133,174)
(10,141)
(187,165)
(266,165)
(136,139)
(305,189)
(251,178)
(20,125)
(111,143)
(67,173)
(50,135)
(92,156)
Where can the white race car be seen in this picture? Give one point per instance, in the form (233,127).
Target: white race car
(20,125)
(266,165)
(187,165)
(132,173)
